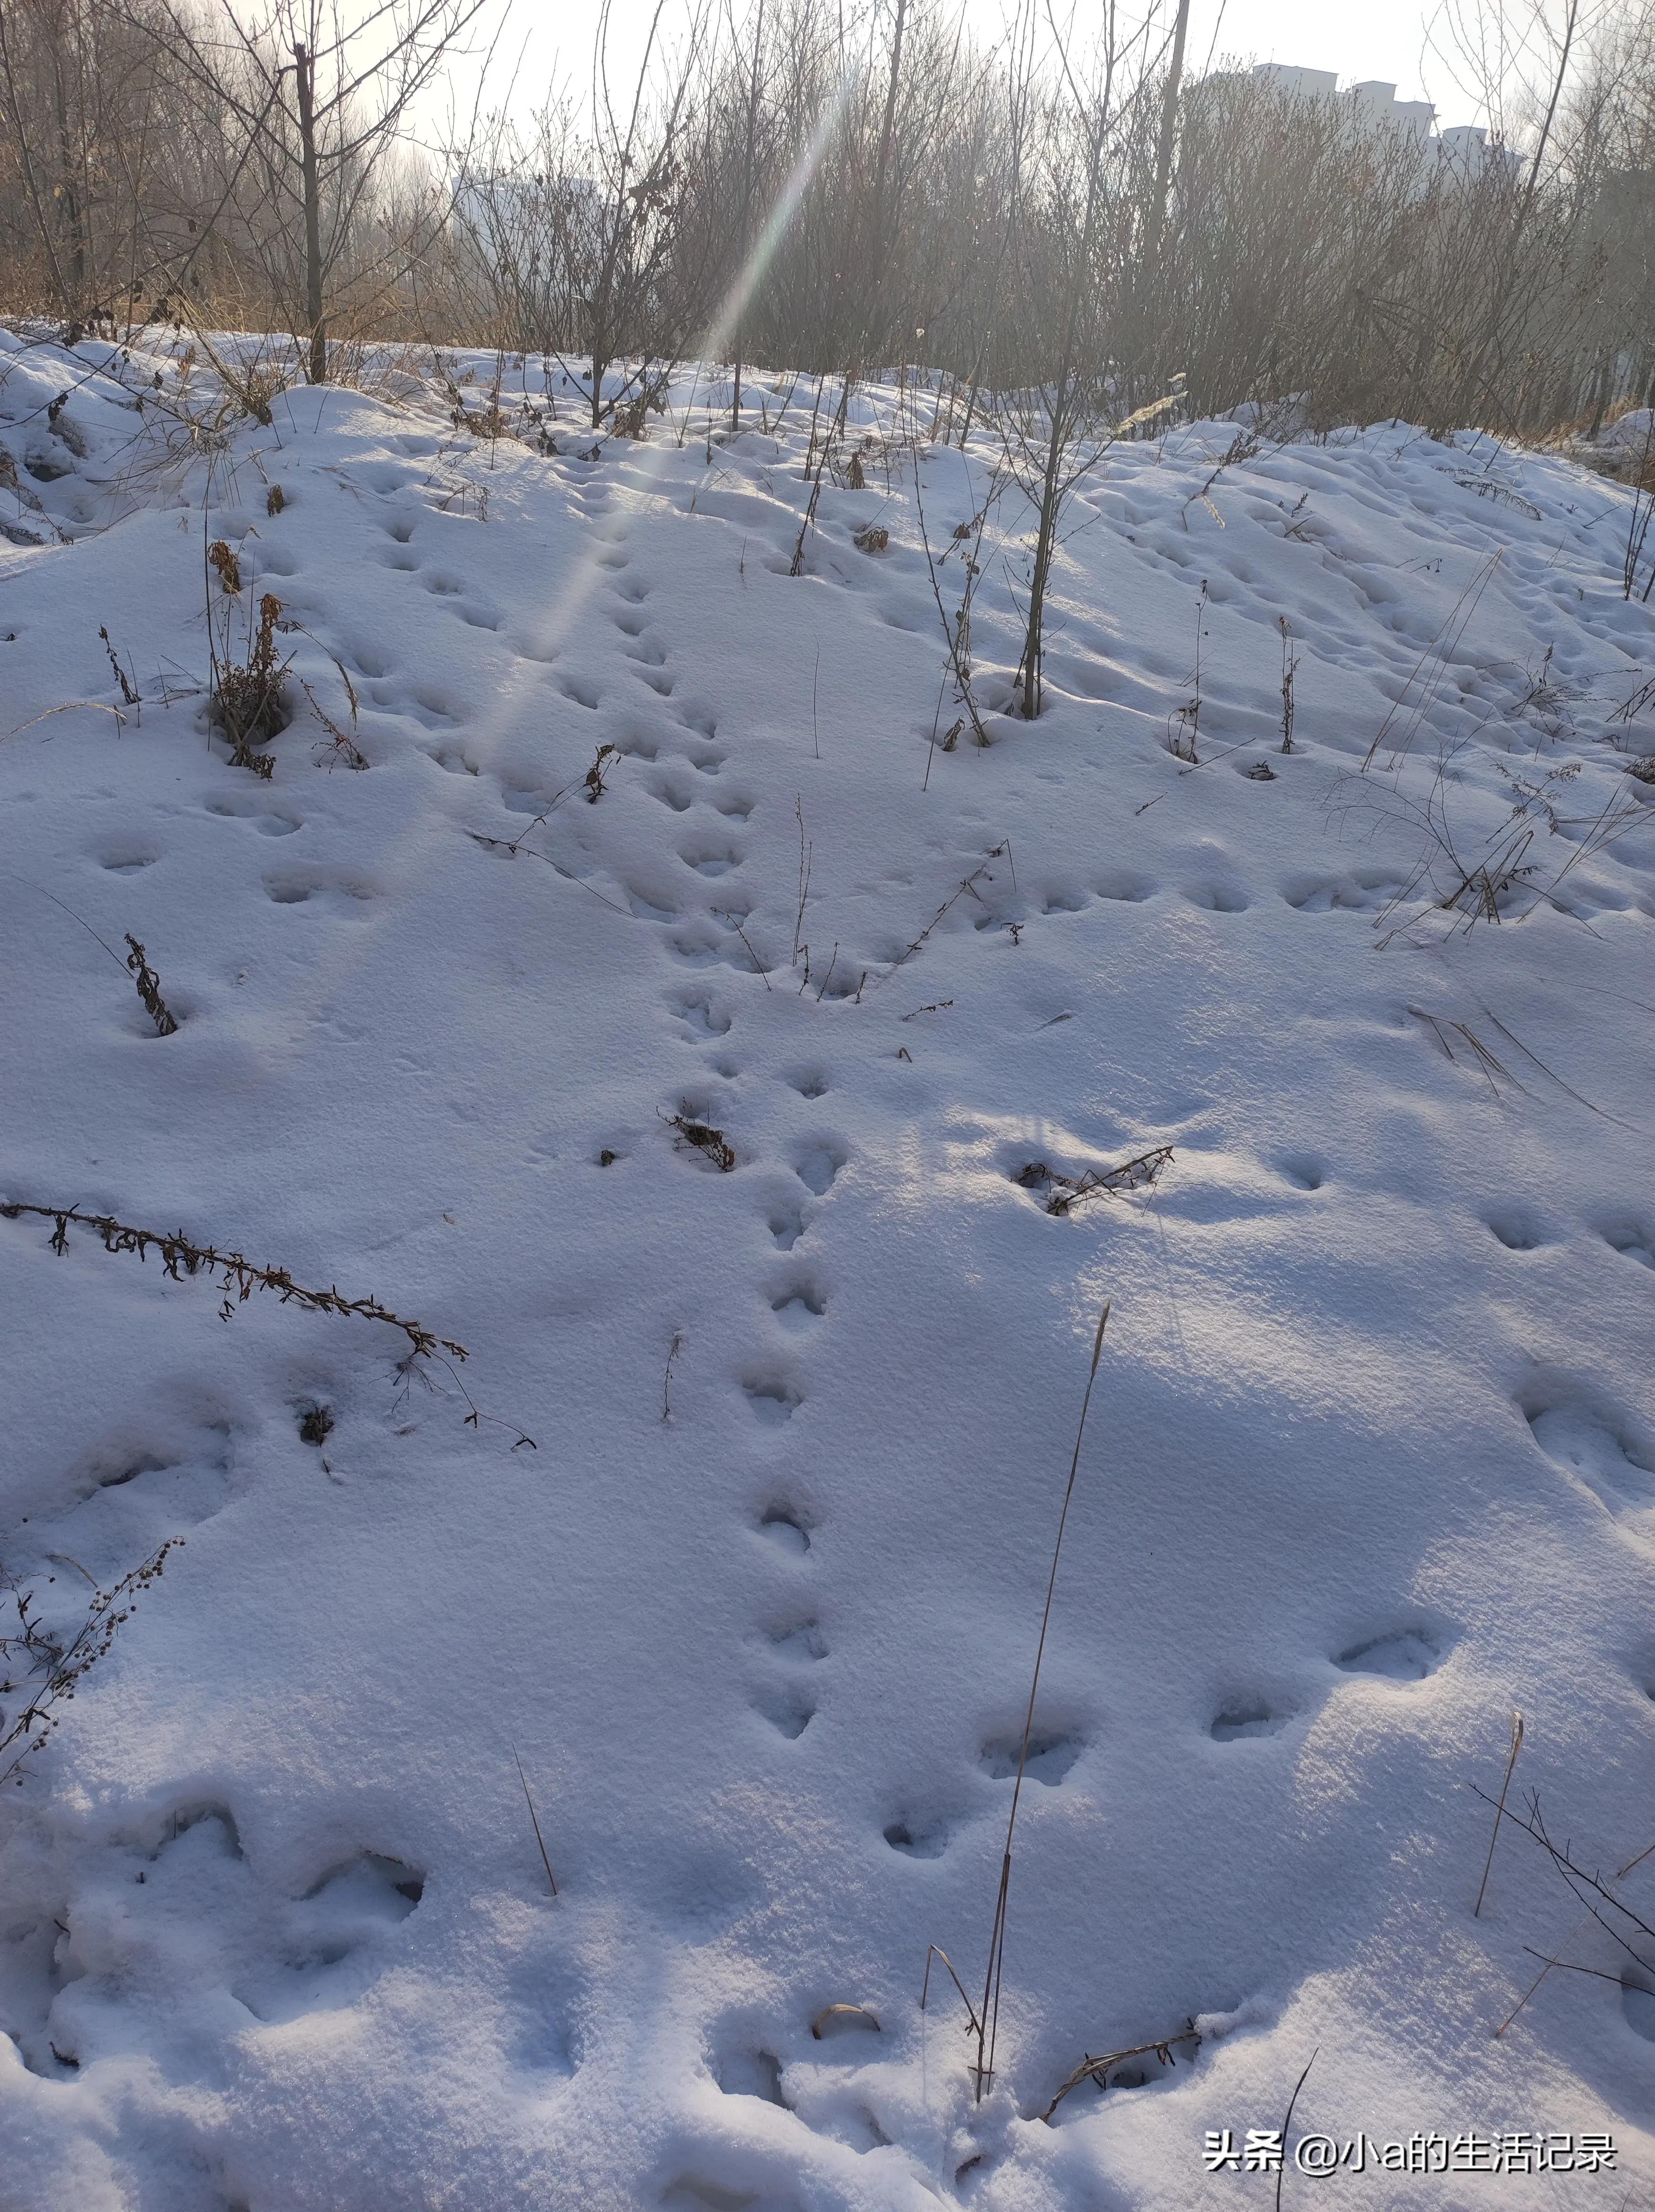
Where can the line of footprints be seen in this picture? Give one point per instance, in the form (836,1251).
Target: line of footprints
(708,935)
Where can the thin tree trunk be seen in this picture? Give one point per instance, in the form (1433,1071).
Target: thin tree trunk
(748,154)
(28,166)
(1164,145)
(69,198)
(304,72)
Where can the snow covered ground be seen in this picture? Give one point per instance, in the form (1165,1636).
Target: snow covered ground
(1371,1461)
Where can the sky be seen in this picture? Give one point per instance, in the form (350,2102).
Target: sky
(1389,43)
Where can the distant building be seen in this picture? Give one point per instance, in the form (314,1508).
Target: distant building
(1374,104)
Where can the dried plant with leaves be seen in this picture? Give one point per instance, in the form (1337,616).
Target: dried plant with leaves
(247,699)
(703,1138)
(149,985)
(227,563)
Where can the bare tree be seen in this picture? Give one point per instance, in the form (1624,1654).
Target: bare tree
(318,108)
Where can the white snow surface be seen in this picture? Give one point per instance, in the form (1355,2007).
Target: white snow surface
(1370,1461)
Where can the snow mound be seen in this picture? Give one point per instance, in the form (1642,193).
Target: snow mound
(621,973)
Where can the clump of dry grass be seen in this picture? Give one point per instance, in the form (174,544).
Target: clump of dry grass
(247,701)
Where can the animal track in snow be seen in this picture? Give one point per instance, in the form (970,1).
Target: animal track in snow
(1364,890)
(699,1015)
(1638,2001)
(773,1397)
(787,1225)
(1050,1758)
(257,814)
(251,1951)
(817,1165)
(1405,1655)
(649,908)
(1247,1718)
(710,860)
(452,760)
(799,1643)
(1516,1231)
(799,1301)
(917,1838)
(750,2074)
(1597,1449)
(784,1527)
(1133,889)
(438,710)
(1633,1240)
(349,900)
(1217,898)
(788,1707)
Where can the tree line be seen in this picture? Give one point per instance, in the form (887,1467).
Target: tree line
(791,186)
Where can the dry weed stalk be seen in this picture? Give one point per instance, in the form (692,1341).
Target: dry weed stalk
(966,887)
(180,1256)
(594,784)
(239,1278)
(128,683)
(150,989)
(1430,670)
(988,2017)
(1067,1192)
(956,633)
(984,2020)
(673,1350)
(1098,2070)
(535,1817)
(1587,1888)
(1511,1764)
(51,1668)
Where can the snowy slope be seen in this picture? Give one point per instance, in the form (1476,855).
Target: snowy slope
(1372,1455)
